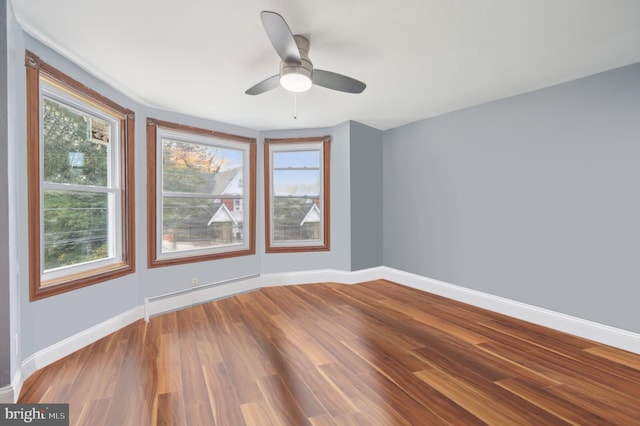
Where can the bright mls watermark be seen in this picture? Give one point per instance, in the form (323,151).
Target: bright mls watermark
(34,414)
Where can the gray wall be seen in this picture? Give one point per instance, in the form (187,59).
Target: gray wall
(533,198)
(5,324)
(13,33)
(366,196)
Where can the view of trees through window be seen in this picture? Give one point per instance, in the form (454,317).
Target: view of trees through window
(75,169)
(201,186)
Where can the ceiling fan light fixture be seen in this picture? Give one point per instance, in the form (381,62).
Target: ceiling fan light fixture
(296,70)
(295,79)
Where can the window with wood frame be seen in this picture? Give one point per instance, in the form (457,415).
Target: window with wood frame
(201,197)
(80,183)
(297,194)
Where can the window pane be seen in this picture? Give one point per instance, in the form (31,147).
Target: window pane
(71,154)
(296,219)
(196,223)
(296,182)
(75,228)
(199,168)
(284,159)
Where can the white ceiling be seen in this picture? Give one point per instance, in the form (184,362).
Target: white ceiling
(419,58)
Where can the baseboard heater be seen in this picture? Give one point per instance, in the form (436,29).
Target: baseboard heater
(179,299)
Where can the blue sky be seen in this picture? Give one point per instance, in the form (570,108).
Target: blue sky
(296,182)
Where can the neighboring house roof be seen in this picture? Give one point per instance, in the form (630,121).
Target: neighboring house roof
(296,212)
(312,216)
(228,182)
(223,215)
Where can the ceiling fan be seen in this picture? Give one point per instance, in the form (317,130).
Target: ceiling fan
(296,70)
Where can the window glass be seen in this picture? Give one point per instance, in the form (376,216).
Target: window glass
(79,216)
(71,155)
(76,228)
(208,179)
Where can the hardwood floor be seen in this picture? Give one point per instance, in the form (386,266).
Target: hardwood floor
(375,353)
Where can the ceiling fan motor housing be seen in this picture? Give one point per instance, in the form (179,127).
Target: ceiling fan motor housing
(297,77)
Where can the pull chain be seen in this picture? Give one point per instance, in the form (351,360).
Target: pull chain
(295,106)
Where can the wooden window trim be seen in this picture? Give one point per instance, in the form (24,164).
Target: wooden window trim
(36,68)
(152,217)
(326,195)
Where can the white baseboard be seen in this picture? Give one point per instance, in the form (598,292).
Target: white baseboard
(577,326)
(208,292)
(162,304)
(583,328)
(71,344)
(321,275)
(16,384)
(591,330)
(7,395)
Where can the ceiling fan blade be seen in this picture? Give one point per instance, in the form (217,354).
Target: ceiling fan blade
(280,36)
(342,83)
(265,85)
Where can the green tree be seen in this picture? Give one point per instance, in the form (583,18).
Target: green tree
(75,222)
(188,168)
(66,137)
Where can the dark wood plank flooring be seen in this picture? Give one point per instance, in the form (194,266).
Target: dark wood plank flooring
(375,353)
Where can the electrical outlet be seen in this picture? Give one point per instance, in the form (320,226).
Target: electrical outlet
(194,281)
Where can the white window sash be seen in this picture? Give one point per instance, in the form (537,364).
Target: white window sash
(312,146)
(114,191)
